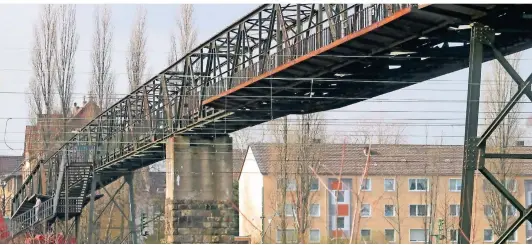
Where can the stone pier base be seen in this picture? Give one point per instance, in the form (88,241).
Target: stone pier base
(199,188)
(201,222)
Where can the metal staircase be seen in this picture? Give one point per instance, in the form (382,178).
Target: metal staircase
(77,179)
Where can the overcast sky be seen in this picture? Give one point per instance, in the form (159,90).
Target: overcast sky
(446,93)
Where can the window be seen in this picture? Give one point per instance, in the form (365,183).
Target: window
(389,184)
(289,210)
(455,185)
(419,210)
(488,235)
(315,210)
(365,234)
(340,222)
(366,185)
(314,235)
(510,210)
(389,235)
(418,235)
(418,184)
(513,237)
(314,184)
(488,211)
(510,185)
(365,211)
(290,235)
(291,185)
(453,236)
(339,196)
(389,210)
(454,210)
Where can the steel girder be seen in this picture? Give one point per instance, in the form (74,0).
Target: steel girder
(475,147)
(171,102)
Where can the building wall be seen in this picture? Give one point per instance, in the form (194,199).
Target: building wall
(402,197)
(250,199)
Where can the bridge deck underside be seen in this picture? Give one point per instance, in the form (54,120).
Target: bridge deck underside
(360,57)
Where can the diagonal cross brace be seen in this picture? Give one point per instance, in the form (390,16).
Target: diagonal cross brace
(113,200)
(109,202)
(524,88)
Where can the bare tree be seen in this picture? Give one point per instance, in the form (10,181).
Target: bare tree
(296,159)
(377,132)
(136,60)
(186,34)
(43,61)
(102,82)
(44,53)
(310,130)
(68,42)
(499,89)
(34,100)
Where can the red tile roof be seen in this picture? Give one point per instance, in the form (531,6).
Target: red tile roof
(385,159)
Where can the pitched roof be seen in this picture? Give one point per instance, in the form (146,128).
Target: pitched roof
(238,161)
(8,164)
(333,159)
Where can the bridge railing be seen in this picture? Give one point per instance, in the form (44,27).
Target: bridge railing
(323,33)
(31,217)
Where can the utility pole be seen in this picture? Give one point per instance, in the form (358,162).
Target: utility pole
(4,198)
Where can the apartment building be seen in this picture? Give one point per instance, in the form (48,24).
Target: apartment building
(10,180)
(410,194)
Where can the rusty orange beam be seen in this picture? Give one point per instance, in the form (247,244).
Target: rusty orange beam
(312,54)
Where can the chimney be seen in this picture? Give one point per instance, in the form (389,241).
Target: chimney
(520,143)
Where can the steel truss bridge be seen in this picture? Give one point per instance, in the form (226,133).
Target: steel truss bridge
(275,61)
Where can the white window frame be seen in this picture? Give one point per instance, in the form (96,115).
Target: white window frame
(369,184)
(393,190)
(450,186)
(417,205)
(361,206)
(369,239)
(318,180)
(291,214)
(416,179)
(515,235)
(393,210)
(393,232)
(310,237)
(514,186)
(490,208)
(484,237)
(457,210)
(410,235)
(287,230)
(335,222)
(335,193)
(510,206)
(319,210)
(456,235)
(288,184)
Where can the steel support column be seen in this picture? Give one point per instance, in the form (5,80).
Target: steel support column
(95,179)
(76,228)
(132,227)
(470,139)
(475,148)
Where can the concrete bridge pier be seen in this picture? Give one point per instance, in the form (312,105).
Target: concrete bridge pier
(199,206)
